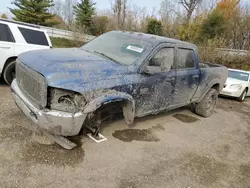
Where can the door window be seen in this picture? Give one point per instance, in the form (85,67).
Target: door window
(164,59)
(5,33)
(34,37)
(185,59)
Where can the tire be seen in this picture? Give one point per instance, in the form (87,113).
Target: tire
(9,72)
(243,96)
(206,107)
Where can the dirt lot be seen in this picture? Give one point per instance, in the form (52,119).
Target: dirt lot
(176,149)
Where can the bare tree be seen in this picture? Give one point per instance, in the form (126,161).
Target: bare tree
(68,10)
(168,11)
(64,9)
(190,6)
(134,17)
(124,12)
(119,9)
(207,6)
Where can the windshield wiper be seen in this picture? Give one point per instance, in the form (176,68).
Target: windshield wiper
(104,55)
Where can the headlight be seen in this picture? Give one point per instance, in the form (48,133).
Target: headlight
(63,100)
(235,86)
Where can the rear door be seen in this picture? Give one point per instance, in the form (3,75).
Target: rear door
(7,44)
(187,76)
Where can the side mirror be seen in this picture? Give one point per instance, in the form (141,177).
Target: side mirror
(151,69)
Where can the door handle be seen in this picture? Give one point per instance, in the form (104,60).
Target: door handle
(5,47)
(170,79)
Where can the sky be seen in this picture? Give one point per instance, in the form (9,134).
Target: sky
(105,4)
(101,4)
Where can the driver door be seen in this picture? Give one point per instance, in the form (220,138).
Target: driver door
(156,90)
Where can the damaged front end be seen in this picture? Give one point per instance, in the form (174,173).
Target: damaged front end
(53,121)
(67,112)
(63,100)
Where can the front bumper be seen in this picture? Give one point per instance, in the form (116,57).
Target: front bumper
(54,121)
(231,93)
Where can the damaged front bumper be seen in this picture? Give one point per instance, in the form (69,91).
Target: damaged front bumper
(53,121)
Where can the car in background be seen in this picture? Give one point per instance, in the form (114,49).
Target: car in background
(16,38)
(237,84)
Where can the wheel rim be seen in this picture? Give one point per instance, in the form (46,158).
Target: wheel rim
(211,102)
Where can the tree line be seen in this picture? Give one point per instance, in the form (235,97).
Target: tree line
(221,23)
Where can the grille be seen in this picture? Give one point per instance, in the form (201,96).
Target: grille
(32,84)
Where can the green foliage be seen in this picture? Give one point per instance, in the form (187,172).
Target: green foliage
(33,11)
(191,32)
(4,16)
(154,27)
(64,43)
(213,26)
(84,11)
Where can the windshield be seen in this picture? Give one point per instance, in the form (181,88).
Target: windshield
(122,48)
(238,75)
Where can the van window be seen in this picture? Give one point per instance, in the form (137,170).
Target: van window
(34,37)
(6,34)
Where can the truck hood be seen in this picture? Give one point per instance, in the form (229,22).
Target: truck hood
(231,81)
(63,67)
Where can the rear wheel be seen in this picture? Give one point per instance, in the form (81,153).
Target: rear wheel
(9,72)
(243,96)
(206,107)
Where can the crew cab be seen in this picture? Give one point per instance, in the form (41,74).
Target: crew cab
(237,84)
(64,90)
(16,38)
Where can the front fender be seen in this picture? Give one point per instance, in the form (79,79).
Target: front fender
(128,108)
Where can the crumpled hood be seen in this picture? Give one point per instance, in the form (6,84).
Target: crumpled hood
(65,67)
(231,81)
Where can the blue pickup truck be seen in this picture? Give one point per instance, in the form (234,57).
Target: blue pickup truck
(64,90)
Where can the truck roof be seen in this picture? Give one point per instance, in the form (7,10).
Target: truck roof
(155,38)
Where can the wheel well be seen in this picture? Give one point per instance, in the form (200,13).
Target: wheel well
(247,89)
(114,107)
(10,59)
(216,86)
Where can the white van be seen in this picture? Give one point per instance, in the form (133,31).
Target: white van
(16,38)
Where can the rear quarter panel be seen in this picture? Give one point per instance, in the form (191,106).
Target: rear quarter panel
(208,78)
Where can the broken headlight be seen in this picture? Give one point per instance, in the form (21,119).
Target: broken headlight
(63,100)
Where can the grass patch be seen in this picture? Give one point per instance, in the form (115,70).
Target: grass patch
(64,43)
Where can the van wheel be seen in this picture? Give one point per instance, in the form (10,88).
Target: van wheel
(9,72)
(243,96)
(206,107)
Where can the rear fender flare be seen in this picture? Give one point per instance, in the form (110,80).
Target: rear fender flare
(209,86)
(128,107)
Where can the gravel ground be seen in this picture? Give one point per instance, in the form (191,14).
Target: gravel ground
(175,149)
